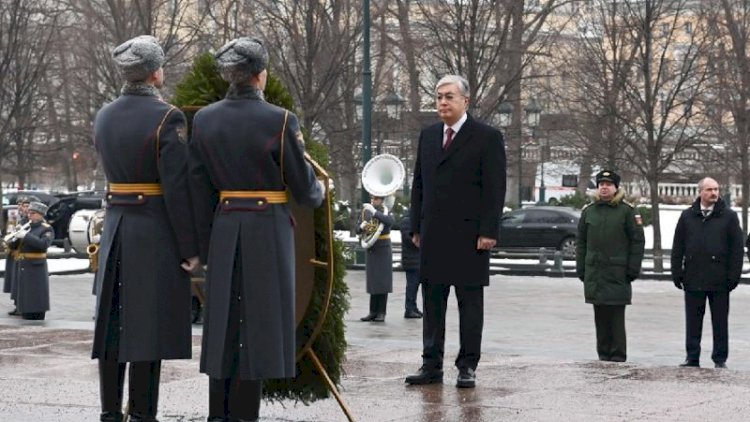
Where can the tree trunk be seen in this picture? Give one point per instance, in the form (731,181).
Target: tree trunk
(656,222)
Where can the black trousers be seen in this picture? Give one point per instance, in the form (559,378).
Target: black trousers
(234,398)
(412,286)
(143,384)
(471,321)
(695,309)
(611,343)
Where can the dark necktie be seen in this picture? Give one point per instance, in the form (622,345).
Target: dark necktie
(705,213)
(448,138)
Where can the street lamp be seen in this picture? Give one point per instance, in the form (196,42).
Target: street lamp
(533,113)
(393,104)
(366,91)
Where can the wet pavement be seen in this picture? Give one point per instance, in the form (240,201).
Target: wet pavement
(538,362)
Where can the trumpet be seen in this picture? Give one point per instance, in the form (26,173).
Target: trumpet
(10,237)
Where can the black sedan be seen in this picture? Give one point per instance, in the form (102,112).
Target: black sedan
(540,227)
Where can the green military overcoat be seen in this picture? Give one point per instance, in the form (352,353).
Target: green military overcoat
(609,250)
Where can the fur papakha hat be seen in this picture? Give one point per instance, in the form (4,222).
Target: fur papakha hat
(241,58)
(138,57)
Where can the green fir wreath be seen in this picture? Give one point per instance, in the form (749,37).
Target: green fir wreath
(202,86)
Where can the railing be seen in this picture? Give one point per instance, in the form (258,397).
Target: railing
(676,190)
(531,261)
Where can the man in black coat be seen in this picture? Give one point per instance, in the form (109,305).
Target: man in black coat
(707,255)
(457,198)
(148,244)
(32,276)
(410,265)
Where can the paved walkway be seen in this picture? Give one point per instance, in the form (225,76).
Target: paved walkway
(538,363)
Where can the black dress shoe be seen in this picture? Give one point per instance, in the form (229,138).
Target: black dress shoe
(466,378)
(368,317)
(690,364)
(720,365)
(425,376)
(412,314)
(14,312)
(379,318)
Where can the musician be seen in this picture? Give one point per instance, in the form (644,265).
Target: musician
(148,241)
(10,285)
(32,278)
(249,154)
(456,201)
(378,260)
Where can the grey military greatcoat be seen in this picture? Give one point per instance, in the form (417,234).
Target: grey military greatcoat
(32,277)
(379,258)
(141,139)
(243,143)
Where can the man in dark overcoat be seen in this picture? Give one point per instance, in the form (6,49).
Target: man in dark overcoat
(609,253)
(410,265)
(32,277)
(457,198)
(9,284)
(148,244)
(249,155)
(707,254)
(378,260)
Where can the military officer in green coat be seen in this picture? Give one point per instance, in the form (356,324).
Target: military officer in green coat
(608,259)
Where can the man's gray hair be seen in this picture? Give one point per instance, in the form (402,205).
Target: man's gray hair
(459,81)
(703,181)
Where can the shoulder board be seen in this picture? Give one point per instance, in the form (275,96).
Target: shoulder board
(45,224)
(628,203)
(586,206)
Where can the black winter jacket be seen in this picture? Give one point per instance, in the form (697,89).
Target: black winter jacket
(707,252)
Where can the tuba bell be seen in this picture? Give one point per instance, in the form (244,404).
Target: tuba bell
(382,176)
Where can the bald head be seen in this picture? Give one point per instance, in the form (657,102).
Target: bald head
(708,189)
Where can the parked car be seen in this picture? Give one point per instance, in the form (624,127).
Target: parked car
(540,227)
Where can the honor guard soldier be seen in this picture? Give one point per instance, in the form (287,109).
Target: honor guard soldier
(148,242)
(608,258)
(9,284)
(249,154)
(379,260)
(31,277)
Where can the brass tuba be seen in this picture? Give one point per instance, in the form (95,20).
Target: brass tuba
(382,176)
(95,229)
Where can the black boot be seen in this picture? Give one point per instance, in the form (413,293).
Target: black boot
(111,379)
(218,400)
(144,391)
(14,312)
(244,400)
(373,309)
(381,302)
(110,417)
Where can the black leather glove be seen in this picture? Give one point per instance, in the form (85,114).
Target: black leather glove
(678,283)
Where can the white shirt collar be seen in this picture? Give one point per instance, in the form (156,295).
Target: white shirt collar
(456,126)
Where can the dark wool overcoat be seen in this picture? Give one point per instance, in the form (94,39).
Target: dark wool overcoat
(457,196)
(243,143)
(609,250)
(707,252)
(141,139)
(32,277)
(379,257)
(409,251)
